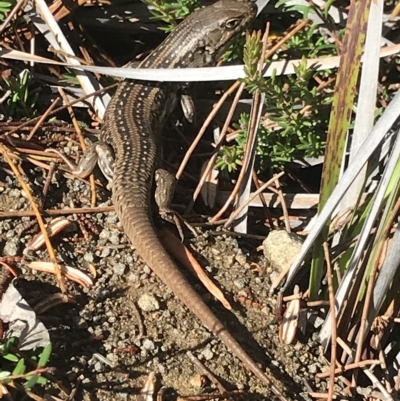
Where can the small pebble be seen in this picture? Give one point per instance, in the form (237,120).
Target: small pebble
(104,234)
(318,322)
(11,248)
(241,259)
(98,367)
(148,345)
(148,303)
(105,252)
(313,368)
(114,239)
(119,269)
(240,283)
(10,234)
(88,257)
(207,354)
(87,315)
(112,218)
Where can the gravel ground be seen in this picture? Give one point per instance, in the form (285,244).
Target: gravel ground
(130,318)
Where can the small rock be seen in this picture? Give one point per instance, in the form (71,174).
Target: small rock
(198,382)
(207,354)
(229,260)
(148,303)
(215,251)
(208,269)
(15,193)
(101,294)
(112,218)
(10,234)
(104,234)
(114,239)
(280,248)
(318,322)
(86,382)
(240,283)
(313,368)
(119,269)
(132,277)
(112,358)
(87,315)
(82,324)
(88,257)
(11,248)
(105,252)
(241,259)
(98,367)
(96,319)
(148,345)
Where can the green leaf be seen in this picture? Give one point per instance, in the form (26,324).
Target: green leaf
(10,357)
(45,355)
(4,374)
(42,380)
(19,368)
(32,380)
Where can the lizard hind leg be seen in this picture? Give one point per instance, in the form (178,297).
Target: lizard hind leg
(165,188)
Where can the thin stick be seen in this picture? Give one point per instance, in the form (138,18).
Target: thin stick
(9,16)
(34,120)
(263,201)
(251,137)
(211,162)
(346,368)
(7,155)
(57,212)
(371,282)
(333,322)
(223,98)
(205,125)
(207,372)
(284,206)
(252,197)
(42,118)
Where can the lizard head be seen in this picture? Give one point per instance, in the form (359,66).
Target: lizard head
(202,38)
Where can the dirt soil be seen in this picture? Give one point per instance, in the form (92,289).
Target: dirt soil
(111,336)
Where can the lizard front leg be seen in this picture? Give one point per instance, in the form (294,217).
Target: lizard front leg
(98,153)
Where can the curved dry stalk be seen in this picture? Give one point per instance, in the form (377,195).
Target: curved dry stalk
(7,155)
(283,204)
(240,87)
(253,196)
(248,156)
(42,118)
(61,108)
(222,136)
(11,15)
(331,292)
(58,212)
(203,128)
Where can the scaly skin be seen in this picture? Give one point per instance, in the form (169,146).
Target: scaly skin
(132,127)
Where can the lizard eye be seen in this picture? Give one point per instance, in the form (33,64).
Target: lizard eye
(232,23)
